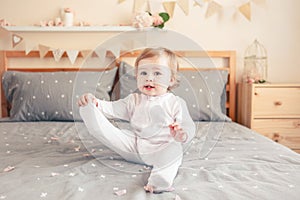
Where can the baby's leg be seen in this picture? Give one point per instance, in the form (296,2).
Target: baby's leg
(120,141)
(165,167)
(161,179)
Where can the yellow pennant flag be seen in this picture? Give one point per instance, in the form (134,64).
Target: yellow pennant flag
(245,9)
(121,1)
(169,7)
(184,5)
(213,7)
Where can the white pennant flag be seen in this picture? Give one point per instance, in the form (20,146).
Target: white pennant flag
(57,54)
(115,50)
(101,53)
(29,46)
(43,50)
(155,6)
(128,44)
(72,54)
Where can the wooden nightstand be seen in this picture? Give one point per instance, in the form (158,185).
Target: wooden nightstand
(272,110)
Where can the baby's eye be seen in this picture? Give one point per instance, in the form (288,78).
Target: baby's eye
(157,73)
(143,73)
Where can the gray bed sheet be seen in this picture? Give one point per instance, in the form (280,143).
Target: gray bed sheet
(59,160)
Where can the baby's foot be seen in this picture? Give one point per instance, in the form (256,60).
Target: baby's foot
(151,189)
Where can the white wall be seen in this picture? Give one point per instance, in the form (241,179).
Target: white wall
(275,23)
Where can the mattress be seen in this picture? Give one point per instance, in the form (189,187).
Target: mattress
(60,160)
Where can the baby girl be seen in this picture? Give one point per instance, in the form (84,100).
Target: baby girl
(160,121)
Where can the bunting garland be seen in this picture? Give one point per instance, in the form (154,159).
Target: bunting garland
(213,6)
(57,53)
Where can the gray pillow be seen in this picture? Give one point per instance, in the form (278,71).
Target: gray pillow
(203,91)
(46,96)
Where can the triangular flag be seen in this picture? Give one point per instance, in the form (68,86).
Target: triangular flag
(245,9)
(72,54)
(101,53)
(29,46)
(57,54)
(169,7)
(43,50)
(127,44)
(212,8)
(115,50)
(85,53)
(16,39)
(121,1)
(138,4)
(155,6)
(184,5)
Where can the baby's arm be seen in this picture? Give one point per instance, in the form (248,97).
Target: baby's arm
(120,109)
(183,129)
(177,132)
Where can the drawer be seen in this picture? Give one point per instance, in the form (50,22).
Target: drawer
(283,131)
(276,102)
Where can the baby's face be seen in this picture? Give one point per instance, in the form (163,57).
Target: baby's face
(154,76)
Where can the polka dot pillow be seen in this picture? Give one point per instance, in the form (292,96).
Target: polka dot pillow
(47,96)
(203,91)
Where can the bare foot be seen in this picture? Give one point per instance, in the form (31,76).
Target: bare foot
(148,188)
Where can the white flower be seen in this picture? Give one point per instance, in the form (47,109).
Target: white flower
(142,19)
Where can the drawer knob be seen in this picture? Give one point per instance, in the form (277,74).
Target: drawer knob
(276,137)
(277,103)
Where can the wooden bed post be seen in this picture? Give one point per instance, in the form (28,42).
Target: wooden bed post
(3,68)
(232,85)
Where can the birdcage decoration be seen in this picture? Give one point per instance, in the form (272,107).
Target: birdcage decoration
(255,63)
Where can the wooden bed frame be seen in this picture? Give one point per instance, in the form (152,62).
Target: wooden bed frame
(228,55)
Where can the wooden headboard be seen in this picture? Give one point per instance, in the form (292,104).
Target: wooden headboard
(229,56)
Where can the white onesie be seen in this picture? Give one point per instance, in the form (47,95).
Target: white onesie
(149,141)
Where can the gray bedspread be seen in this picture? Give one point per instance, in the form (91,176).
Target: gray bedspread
(50,160)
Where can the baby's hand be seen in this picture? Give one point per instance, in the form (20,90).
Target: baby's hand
(85,98)
(177,132)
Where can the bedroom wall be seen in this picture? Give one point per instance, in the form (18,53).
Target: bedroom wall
(274,23)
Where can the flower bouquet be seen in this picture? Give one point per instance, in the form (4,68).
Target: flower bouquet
(146,19)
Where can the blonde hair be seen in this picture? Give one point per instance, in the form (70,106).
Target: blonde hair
(161,51)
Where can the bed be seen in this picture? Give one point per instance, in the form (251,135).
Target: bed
(46,152)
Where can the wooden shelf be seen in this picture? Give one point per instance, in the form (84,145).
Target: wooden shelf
(69,29)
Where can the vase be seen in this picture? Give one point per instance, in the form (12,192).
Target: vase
(68,19)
